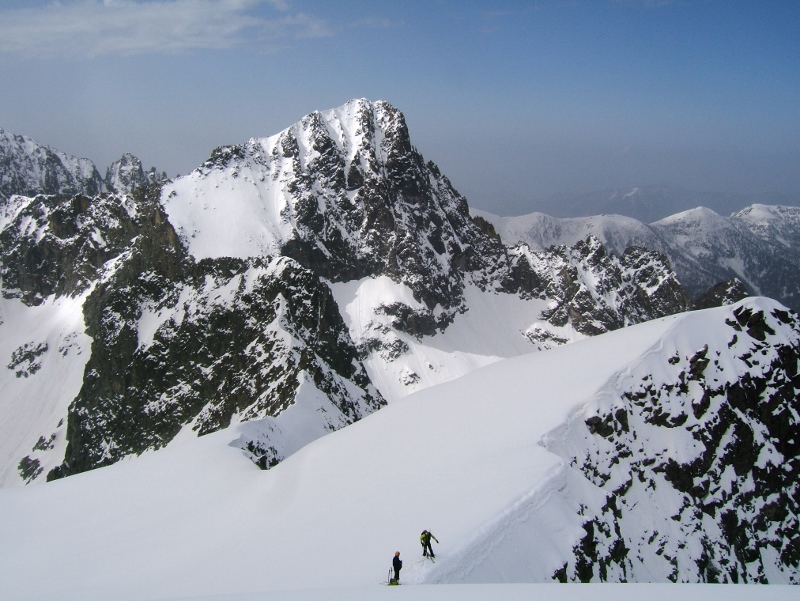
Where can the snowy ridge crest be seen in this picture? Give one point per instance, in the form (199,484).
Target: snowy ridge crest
(28,168)
(681,467)
(759,245)
(696,457)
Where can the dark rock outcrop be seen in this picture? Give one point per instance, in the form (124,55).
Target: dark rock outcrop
(723,505)
(29,168)
(127,174)
(724,293)
(183,344)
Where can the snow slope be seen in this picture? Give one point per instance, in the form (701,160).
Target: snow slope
(481,461)
(494,327)
(48,348)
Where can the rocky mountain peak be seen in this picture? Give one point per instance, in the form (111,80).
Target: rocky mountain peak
(724,293)
(29,168)
(127,173)
(344,193)
(310,270)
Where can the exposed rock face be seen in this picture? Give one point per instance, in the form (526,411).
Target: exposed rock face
(234,342)
(724,293)
(127,174)
(210,300)
(723,505)
(598,292)
(183,344)
(59,245)
(28,168)
(176,343)
(354,199)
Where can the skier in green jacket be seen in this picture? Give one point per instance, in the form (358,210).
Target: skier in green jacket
(425,541)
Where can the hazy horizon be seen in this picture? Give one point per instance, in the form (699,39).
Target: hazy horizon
(515,101)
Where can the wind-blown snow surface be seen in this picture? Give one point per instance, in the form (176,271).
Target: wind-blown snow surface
(526,592)
(480,461)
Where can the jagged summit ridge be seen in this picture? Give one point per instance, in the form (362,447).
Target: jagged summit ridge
(320,272)
(127,173)
(28,168)
(344,193)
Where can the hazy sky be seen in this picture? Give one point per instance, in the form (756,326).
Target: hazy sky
(514,100)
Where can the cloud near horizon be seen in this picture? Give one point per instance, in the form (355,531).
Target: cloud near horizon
(93,28)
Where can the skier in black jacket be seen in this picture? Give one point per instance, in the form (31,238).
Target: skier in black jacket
(397,564)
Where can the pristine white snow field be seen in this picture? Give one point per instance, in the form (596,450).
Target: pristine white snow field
(463,459)
(492,329)
(48,350)
(526,592)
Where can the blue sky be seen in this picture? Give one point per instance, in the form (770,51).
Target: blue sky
(515,100)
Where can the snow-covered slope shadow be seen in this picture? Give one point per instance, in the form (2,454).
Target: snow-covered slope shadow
(520,469)
(48,349)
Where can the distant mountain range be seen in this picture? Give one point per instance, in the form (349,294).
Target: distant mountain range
(651,203)
(758,245)
(28,168)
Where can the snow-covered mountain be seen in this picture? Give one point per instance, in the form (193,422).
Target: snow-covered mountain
(160,342)
(662,452)
(759,245)
(321,304)
(308,277)
(651,203)
(127,174)
(28,168)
